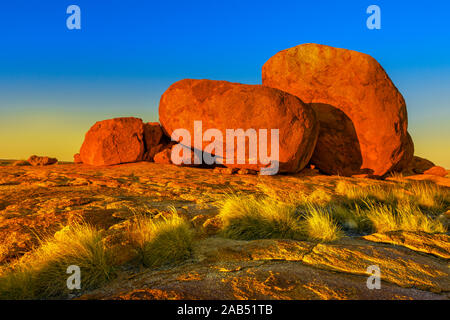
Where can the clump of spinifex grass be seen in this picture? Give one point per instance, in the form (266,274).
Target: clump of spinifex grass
(161,241)
(43,273)
(405,216)
(251,218)
(320,225)
(323,216)
(428,196)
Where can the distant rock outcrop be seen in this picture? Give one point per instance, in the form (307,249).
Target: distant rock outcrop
(224,105)
(41,161)
(362,115)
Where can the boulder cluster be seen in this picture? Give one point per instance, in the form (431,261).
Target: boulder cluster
(335,109)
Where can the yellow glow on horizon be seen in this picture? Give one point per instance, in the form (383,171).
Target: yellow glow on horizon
(61,134)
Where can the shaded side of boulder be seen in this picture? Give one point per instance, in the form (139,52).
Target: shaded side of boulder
(114,141)
(362,115)
(155,140)
(419,165)
(223,105)
(41,160)
(407,150)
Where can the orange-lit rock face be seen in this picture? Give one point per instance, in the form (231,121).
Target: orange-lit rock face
(362,114)
(163,157)
(114,141)
(436,171)
(223,105)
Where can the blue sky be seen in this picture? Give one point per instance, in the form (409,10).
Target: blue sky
(128,52)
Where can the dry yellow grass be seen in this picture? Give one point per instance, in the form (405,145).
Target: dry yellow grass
(405,216)
(322,216)
(163,241)
(43,273)
(250,217)
(320,225)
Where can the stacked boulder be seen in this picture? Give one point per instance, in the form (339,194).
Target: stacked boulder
(362,115)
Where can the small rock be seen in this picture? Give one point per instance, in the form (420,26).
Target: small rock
(227,171)
(77,158)
(212,225)
(245,171)
(163,157)
(199,220)
(20,163)
(41,161)
(436,171)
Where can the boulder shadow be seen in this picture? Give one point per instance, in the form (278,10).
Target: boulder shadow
(338,150)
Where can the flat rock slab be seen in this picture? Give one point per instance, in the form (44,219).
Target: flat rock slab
(436,244)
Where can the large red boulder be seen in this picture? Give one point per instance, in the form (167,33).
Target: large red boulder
(114,141)
(223,105)
(362,115)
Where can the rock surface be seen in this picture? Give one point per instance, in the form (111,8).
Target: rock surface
(362,115)
(223,105)
(114,141)
(42,200)
(41,161)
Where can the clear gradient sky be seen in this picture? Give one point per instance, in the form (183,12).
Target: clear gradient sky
(55,83)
